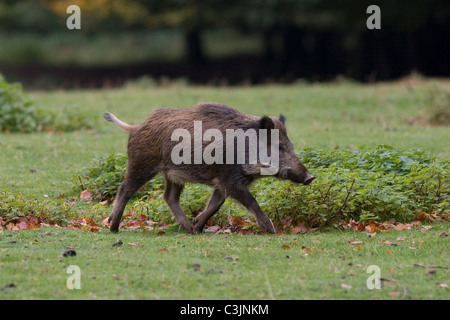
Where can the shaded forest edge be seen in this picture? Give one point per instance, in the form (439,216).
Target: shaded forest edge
(306,55)
(308,40)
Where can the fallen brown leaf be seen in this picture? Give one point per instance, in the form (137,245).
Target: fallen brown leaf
(421,215)
(355,242)
(394,293)
(425,228)
(86,195)
(213,229)
(301,228)
(306,249)
(142,218)
(399,226)
(134,244)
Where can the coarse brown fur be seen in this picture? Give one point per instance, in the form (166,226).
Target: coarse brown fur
(149,152)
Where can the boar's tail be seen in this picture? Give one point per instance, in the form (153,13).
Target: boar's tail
(112,118)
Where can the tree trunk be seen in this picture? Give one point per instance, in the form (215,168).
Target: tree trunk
(194,46)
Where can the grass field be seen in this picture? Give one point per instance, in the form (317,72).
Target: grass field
(318,265)
(181,266)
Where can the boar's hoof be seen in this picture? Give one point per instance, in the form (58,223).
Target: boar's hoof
(114,227)
(270,229)
(198,230)
(188,228)
(198,227)
(267,226)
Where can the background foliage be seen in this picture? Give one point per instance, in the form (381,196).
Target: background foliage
(20,113)
(221,41)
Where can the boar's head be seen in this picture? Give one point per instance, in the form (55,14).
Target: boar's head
(289,165)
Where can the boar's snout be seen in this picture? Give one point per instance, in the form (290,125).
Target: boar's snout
(309,178)
(299,174)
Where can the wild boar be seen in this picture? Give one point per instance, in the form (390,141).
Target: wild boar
(213,144)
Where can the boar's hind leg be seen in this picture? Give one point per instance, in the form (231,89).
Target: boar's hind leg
(214,204)
(172,197)
(245,197)
(126,190)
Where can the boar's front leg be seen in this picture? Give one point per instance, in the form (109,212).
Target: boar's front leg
(245,197)
(214,204)
(133,181)
(172,197)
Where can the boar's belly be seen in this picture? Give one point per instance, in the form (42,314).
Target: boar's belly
(182,177)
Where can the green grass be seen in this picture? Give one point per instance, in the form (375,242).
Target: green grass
(341,115)
(181,266)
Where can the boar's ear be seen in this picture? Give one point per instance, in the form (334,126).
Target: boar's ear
(282,119)
(266,123)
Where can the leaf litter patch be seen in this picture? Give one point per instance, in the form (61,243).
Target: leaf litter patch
(235,225)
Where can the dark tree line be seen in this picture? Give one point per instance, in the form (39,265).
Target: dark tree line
(316,39)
